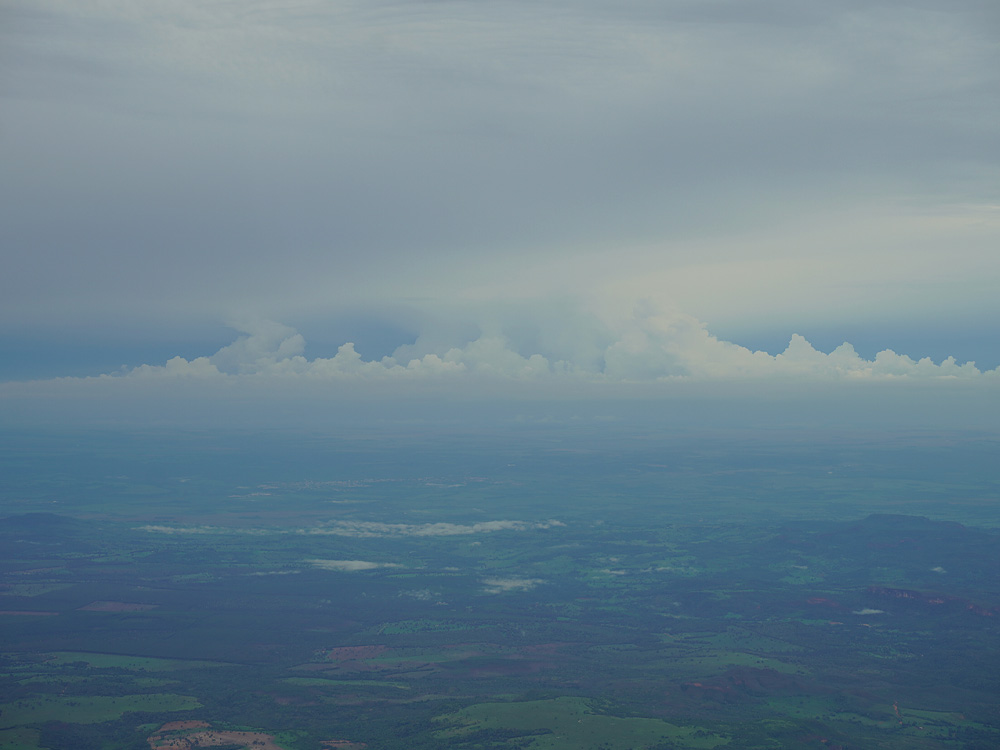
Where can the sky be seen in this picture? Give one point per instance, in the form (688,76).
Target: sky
(420,199)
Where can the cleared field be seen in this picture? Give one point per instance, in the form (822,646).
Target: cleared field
(130,663)
(32,588)
(320,682)
(19,739)
(89,709)
(567,723)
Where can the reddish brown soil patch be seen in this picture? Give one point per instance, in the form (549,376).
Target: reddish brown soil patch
(546,649)
(117,607)
(714,693)
(177,736)
(312,667)
(750,684)
(765,681)
(288,700)
(934,599)
(508,668)
(347,667)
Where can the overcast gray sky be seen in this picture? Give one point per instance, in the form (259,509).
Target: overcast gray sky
(619,188)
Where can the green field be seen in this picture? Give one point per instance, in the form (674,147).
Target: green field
(130,663)
(567,723)
(90,710)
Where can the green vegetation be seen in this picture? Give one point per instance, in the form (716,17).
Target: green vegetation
(568,723)
(130,663)
(320,682)
(89,710)
(21,738)
(420,626)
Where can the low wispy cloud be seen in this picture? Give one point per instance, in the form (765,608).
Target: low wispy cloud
(350,566)
(504,585)
(275,572)
(374,529)
(159,529)
(368,529)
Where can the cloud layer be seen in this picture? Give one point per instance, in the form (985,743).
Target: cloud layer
(650,346)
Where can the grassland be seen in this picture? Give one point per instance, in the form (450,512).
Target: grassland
(129,663)
(568,723)
(90,709)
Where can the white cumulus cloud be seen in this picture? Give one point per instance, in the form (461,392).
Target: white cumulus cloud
(648,346)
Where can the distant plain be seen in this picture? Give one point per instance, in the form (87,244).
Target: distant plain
(604,588)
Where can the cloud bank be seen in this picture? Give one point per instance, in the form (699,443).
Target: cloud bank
(518,366)
(649,346)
